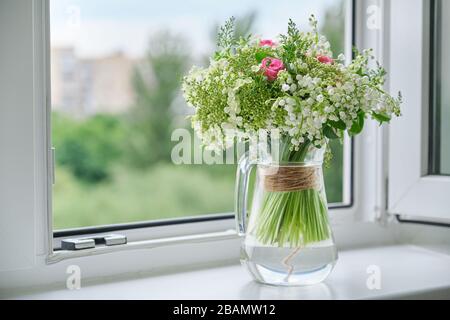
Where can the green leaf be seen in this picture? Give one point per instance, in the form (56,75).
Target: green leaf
(260,55)
(329,132)
(381,117)
(337,124)
(358,124)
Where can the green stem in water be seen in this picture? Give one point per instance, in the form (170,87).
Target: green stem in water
(293,218)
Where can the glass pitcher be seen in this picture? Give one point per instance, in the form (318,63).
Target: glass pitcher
(287,240)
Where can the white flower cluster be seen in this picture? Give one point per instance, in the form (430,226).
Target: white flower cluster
(312,96)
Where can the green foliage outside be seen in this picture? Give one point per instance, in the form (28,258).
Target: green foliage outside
(159,192)
(88,147)
(334,28)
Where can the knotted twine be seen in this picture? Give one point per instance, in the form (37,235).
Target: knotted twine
(291,178)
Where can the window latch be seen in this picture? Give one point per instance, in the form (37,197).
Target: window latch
(91,242)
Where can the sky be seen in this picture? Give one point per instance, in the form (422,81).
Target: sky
(97,28)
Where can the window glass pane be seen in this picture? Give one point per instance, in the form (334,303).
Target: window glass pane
(116,68)
(440,124)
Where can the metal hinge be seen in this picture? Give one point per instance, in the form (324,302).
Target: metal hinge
(91,242)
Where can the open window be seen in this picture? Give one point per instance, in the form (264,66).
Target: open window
(419,185)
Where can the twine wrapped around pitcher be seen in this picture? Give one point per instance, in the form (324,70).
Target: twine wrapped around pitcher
(291,178)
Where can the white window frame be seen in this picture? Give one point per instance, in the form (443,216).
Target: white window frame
(412,191)
(157,248)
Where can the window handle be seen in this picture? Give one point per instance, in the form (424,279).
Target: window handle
(111,239)
(91,242)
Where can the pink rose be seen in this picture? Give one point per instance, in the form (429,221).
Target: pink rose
(267,43)
(271,67)
(325,59)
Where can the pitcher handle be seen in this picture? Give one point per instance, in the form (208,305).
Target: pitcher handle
(242,175)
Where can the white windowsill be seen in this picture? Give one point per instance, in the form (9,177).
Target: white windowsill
(406,271)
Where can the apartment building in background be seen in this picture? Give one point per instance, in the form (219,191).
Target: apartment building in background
(83,87)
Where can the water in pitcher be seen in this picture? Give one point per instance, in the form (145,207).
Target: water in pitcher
(289,266)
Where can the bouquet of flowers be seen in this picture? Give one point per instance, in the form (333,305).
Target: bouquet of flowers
(296,86)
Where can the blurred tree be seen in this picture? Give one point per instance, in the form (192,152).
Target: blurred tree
(333,27)
(87,147)
(156,83)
